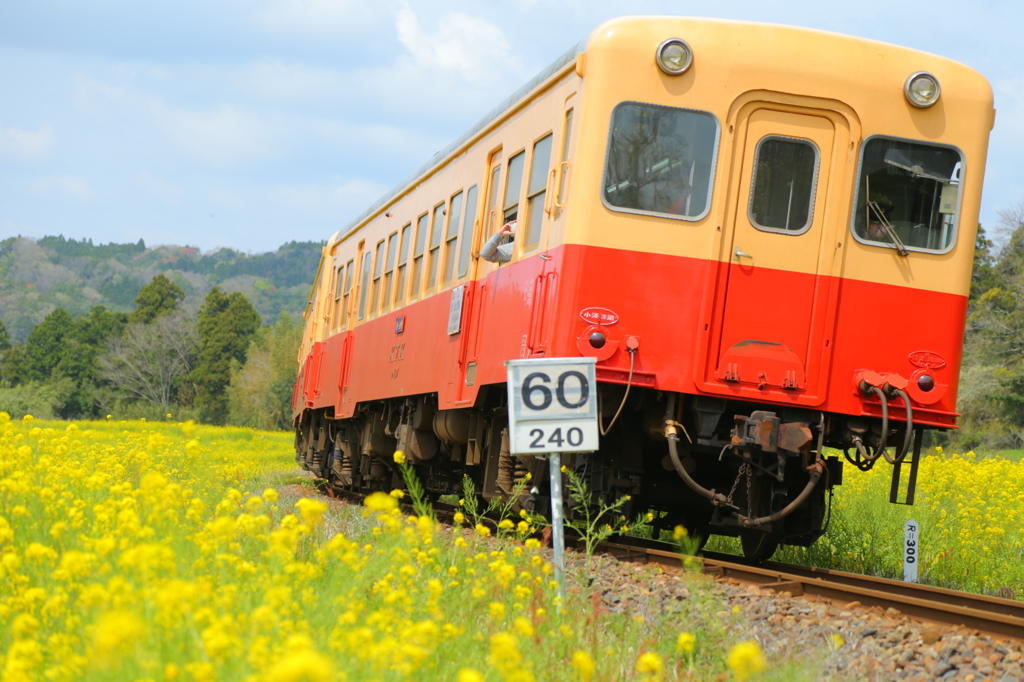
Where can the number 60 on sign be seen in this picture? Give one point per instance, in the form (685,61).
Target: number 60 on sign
(552,404)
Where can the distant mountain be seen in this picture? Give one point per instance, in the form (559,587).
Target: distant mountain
(38,276)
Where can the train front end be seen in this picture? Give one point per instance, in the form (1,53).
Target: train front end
(773,233)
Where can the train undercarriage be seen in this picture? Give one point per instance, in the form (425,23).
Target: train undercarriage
(714,466)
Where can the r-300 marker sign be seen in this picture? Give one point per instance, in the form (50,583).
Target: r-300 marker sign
(552,405)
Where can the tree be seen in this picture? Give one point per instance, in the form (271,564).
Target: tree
(46,346)
(226,325)
(991,396)
(982,276)
(5,338)
(80,359)
(159,297)
(148,360)
(260,394)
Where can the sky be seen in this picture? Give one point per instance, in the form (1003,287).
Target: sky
(250,123)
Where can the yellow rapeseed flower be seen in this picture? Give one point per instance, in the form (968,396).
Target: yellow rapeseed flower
(399,457)
(686,642)
(469,675)
(483,530)
(380,502)
(584,666)
(650,665)
(304,665)
(746,660)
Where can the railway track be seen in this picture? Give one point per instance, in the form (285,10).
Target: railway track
(990,615)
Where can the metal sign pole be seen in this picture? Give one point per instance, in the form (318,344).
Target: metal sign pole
(557,528)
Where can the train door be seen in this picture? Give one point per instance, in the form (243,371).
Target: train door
(349,300)
(476,289)
(772,317)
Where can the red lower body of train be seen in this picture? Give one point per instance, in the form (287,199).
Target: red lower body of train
(726,385)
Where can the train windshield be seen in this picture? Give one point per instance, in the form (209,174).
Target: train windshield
(660,160)
(908,194)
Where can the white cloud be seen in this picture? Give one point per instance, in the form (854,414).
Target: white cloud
(29,145)
(64,187)
(464,44)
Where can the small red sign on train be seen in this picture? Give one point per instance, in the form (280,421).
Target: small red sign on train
(601,316)
(927,359)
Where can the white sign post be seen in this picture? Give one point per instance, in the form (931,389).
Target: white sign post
(552,408)
(911,551)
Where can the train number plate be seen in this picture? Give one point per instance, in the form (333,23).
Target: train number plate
(552,405)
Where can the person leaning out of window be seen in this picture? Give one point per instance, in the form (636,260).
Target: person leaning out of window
(498,249)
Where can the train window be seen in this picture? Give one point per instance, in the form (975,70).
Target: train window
(536,192)
(437,229)
(782,188)
(378,266)
(492,203)
(403,255)
(908,194)
(389,266)
(451,238)
(467,231)
(513,183)
(339,280)
(417,256)
(660,160)
(347,290)
(364,286)
(565,156)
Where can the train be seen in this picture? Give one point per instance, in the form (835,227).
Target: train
(763,235)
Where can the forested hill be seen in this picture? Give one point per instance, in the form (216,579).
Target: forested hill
(38,276)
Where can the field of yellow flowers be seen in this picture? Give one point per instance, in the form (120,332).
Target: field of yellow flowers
(970,510)
(165,552)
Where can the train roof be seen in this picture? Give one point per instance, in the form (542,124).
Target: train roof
(437,159)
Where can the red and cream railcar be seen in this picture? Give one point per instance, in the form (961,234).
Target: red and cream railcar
(765,232)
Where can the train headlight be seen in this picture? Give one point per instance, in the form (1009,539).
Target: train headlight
(674,56)
(922,89)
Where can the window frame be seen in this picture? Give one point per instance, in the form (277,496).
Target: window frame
(422,223)
(814,185)
(857,184)
(339,274)
(516,205)
(401,266)
(712,170)
(530,199)
(468,223)
(438,214)
(343,324)
(364,284)
(450,244)
(391,252)
(378,271)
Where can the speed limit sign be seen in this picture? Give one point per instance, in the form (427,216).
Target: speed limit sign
(552,404)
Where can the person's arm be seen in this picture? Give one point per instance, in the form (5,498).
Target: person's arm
(496,252)
(490,251)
